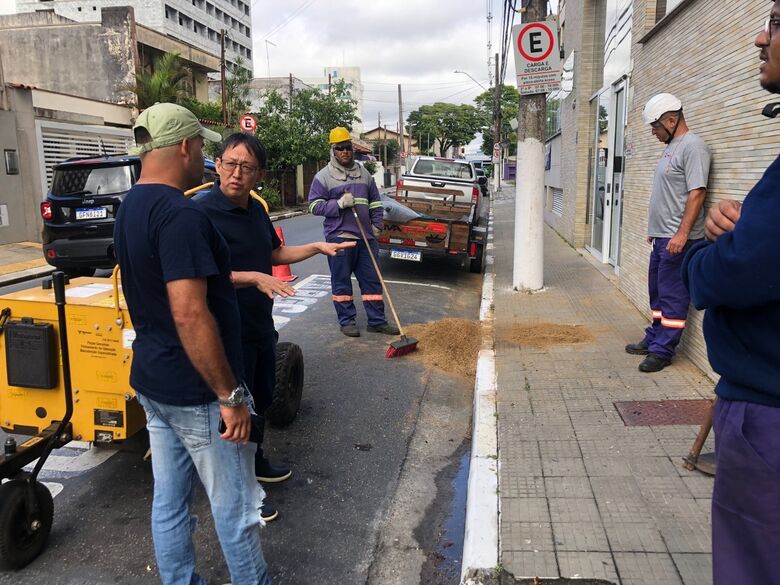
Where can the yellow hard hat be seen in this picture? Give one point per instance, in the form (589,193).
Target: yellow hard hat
(339,134)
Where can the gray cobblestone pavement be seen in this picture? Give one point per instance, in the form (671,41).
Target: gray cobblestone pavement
(582,494)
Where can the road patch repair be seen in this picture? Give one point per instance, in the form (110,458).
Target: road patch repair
(450,345)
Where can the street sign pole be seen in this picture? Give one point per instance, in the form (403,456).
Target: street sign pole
(537,60)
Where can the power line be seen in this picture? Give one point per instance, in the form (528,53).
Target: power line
(293,15)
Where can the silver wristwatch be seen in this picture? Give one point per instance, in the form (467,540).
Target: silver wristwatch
(240,395)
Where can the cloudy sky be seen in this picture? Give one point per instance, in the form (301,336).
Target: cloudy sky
(417,44)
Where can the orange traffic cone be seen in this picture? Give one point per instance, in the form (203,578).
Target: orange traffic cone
(282,272)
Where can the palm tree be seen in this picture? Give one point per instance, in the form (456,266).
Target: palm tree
(168,81)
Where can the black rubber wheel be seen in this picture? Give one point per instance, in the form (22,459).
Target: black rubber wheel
(477,263)
(289,385)
(19,544)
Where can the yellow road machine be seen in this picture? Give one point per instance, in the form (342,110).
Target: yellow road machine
(65,354)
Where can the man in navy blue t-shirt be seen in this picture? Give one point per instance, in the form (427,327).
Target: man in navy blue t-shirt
(254,250)
(736,278)
(187,369)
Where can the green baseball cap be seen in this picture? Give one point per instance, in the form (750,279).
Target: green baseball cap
(169,124)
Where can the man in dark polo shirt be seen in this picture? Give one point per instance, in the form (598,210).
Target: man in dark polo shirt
(254,250)
(187,367)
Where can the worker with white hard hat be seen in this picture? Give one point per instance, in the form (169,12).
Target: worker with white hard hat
(675,222)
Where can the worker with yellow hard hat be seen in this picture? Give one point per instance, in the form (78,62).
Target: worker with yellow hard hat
(337,190)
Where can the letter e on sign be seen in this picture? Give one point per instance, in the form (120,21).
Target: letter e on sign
(248,123)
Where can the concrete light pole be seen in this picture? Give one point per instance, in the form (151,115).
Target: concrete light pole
(528,272)
(472,79)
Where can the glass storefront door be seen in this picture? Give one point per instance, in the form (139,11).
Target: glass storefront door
(608,167)
(600,113)
(616,179)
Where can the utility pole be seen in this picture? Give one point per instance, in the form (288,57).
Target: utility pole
(528,273)
(223,86)
(291,91)
(400,119)
(384,145)
(497,132)
(329,83)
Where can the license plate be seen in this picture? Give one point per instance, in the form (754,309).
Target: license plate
(405,255)
(91,213)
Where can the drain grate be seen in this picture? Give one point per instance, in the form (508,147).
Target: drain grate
(648,413)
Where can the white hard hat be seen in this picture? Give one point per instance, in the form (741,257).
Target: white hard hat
(658,105)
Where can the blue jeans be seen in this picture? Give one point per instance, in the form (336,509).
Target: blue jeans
(186,445)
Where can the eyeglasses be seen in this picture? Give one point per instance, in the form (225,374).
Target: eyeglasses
(230,167)
(343,148)
(771,26)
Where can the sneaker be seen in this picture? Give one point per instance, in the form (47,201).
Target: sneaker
(385,328)
(637,348)
(654,363)
(268,473)
(268,513)
(350,330)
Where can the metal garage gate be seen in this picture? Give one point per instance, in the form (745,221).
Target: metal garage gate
(58,142)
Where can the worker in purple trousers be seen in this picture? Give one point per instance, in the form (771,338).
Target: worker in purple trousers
(675,222)
(736,278)
(339,192)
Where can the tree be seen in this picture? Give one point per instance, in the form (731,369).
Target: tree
(451,125)
(298,132)
(169,81)
(509,108)
(385,150)
(237,91)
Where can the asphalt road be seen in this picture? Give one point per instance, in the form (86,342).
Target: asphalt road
(378,453)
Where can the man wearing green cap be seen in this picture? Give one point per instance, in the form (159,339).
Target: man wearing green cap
(187,367)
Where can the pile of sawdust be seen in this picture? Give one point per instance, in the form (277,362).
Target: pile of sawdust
(544,335)
(451,345)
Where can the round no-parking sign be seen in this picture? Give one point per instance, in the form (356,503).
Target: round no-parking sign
(535,41)
(248,123)
(537,58)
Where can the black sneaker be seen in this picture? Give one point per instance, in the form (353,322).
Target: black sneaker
(385,328)
(268,513)
(654,363)
(350,330)
(637,348)
(268,473)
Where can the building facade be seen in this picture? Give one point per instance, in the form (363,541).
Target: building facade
(601,154)
(196,22)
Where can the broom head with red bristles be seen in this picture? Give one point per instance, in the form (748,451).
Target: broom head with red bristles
(401,347)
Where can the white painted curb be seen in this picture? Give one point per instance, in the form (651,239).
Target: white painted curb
(480,543)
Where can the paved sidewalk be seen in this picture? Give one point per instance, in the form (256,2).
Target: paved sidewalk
(582,494)
(22,261)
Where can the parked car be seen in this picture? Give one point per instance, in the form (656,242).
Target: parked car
(483,185)
(79,210)
(446,215)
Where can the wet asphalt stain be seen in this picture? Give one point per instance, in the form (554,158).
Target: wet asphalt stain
(441,531)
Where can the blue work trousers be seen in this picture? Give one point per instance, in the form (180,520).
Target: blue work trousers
(356,261)
(669,299)
(186,445)
(746,495)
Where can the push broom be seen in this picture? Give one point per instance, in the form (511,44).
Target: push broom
(405,344)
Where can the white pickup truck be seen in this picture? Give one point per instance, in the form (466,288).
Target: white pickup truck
(448,216)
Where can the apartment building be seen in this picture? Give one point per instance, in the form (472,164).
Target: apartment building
(196,22)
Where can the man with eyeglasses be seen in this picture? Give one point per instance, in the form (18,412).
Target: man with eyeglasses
(736,278)
(254,250)
(675,222)
(344,185)
(186,369)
